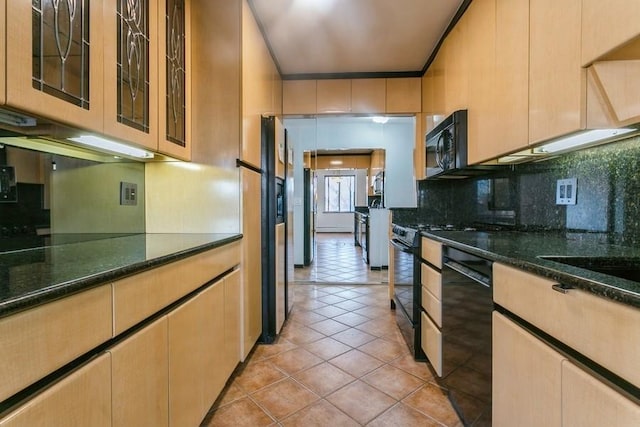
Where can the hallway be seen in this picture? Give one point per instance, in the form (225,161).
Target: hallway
(338,260)
(340,359)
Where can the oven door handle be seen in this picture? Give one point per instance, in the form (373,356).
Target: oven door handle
(401,247)
(470,273)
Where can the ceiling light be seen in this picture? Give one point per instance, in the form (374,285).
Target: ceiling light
(335,162)
(112,146)
(581,139)
(380,119)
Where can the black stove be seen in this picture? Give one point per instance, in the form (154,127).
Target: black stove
(409,234)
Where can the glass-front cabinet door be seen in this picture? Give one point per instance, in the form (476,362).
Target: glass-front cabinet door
(174,58)
(131,71)
(54,60)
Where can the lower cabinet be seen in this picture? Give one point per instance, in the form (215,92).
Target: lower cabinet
(139,377)
(526,378)
(534,385)
(204,349)
(83,398)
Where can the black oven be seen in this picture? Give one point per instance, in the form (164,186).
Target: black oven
(407,287)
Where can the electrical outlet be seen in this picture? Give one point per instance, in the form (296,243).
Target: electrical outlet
(128,193)
(566,191)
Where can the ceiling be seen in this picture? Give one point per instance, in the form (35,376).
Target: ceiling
(353,37)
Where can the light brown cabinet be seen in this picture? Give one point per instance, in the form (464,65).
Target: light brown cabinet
(557,82)
(131,90)
(481,35)
(368,95)
(35,342)
(586,401)
(527,375)
(299,97)
(456,67)
(204,349)
(404,95)
(511,79)
(607,25)
(534,382)
(140,377)
(174,78)
(59,75)
(83,398)
(333,96)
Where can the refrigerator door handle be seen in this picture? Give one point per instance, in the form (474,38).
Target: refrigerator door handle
(243,164)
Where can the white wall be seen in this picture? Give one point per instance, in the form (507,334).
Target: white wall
(339,222)
(396,137)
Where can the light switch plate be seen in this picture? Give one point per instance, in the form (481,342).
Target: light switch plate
(128,194)
(566,191)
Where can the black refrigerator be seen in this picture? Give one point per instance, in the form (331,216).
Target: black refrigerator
(276,218)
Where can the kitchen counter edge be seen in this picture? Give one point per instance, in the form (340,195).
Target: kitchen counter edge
(52,292)
(613,289)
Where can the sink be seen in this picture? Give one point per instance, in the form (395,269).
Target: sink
(623,267)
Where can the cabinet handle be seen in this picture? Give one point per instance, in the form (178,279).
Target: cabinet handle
(563,289)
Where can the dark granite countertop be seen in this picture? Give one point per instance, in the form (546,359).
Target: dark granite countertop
(523,250)
(29,277)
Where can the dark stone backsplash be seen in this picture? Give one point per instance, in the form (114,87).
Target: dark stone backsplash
(523,196)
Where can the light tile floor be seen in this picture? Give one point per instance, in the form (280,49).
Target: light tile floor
(338,260)
(340,360)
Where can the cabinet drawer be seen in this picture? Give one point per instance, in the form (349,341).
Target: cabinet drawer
(431,251)
(38,341)
(432,306)
(432,343)
(585,322)
(137,297)
(432,280)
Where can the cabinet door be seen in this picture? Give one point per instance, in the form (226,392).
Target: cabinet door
(368,95)
(526,378)
(404,95)
(232,298)
(174,68)
(81,399)
(140,378)
(55,61)
(131,71)
(607,25)
(196,356)
(36,342)
(3,51)
(456,68)
(557,82)
(512,78)
(587,402)
(333,96)
(482,125)
(299,97)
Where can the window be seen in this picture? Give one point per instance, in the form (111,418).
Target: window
(339,193)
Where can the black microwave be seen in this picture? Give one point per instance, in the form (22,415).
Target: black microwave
(446,146)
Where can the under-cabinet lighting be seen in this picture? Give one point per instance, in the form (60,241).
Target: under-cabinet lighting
(581,139)
(380,119)
(15,119)
(112,146)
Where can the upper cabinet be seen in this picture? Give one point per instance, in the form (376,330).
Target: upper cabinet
(404,95)
(55,60)
(333,96)
(299,97)
(362,96)
(456,67)
(174,57)
(607,25)
(368,95)
(131,71)
(557,82)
